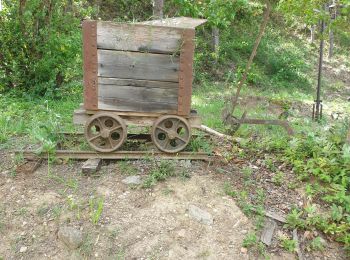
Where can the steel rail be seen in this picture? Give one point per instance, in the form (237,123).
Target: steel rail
(118,155)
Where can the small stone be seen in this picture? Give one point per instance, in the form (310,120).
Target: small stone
(71,237)
(200,215)
(136,180)
(181,233)
(23,249)
(244,231)
(244,250)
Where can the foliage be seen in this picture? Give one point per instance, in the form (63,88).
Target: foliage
(121,10)
(96,209)
(219,13)
(40,44)
(159,172)
(289,244)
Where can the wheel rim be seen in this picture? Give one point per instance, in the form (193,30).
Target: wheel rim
(105,132)
(171,134)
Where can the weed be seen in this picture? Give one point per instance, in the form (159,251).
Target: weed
(288,244)
(56,211)
(120,255)
(168,191)
(96,208)
(87,247)
(114,233)
(126,168)
(250,240)
(199,144)
(278,178)
(229,191)
(159,172)
(316,244)
(43,210)
(270,164)
(294,219)
(73,205)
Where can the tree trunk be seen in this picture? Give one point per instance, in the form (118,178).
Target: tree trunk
(0,5)
(331,44)
(216,39)
(158,9)
(228,111)
(312,33)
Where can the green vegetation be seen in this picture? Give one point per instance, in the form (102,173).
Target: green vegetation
(40,75)
(96,208)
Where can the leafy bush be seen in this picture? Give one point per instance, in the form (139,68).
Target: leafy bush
(40,44)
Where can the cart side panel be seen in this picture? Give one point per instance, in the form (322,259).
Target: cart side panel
(186,72)
(90,65)
(137,37)
(140,74)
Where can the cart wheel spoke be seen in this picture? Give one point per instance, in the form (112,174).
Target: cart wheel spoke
(94,138)
(163,129)
(116,128)
(180,138)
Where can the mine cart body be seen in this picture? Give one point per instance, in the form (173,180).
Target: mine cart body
(141,74)
(139,67)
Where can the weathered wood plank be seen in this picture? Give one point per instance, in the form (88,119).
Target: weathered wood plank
(90,64)
(137,83)
(138,94)
(137,37)
(185,74)
(118,104)
(91,166)
(267,233)
(177,22)
(135,65)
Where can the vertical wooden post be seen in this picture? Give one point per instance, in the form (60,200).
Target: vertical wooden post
(90,65)
(158,9)
(185,72)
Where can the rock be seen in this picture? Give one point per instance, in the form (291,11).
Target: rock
(244,250)
(181,233)
(200,215)
(23,249)
(71,237)
(136,180)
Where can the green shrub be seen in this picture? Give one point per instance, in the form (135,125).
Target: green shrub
(40,44)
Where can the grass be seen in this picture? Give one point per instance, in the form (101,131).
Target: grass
(96,209)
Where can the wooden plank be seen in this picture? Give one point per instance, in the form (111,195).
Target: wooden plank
(177,22)
(135,65)
(91,166)
(137,37)
(90,64)
(275,216)
(138,94)
(298,249)
(137,83)
(268,231)
(185,74)
(118,104)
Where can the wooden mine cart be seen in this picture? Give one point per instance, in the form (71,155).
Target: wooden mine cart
(138,74)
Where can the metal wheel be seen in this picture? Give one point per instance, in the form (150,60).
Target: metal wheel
(105,132)
(171,134)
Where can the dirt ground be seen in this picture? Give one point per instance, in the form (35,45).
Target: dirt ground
(135,222)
